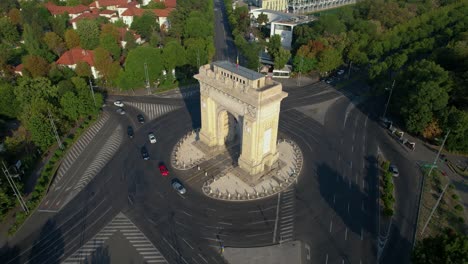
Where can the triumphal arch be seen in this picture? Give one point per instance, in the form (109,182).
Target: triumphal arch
(238,103)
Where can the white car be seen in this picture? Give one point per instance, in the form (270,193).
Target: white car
(120,111)
(177,185)
(118,103)
(152,138)
(340,72)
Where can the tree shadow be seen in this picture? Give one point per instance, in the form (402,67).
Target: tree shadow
(99,256)
(49,248)
(10,255)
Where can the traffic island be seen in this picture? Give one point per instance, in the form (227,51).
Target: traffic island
(231,182)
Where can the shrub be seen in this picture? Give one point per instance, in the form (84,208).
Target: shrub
(455,196)
(388,211)
(458,207)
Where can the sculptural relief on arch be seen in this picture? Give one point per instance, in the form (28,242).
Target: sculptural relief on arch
(240,107)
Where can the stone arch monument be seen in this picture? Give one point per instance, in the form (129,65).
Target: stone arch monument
(238,102)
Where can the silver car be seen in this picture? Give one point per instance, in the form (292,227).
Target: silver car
(120,111)
(177,185)
(394,170)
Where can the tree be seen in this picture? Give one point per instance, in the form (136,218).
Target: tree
(457,122)
(35,65)
(110,29)
(72,39)
(6,5)
(83,69)
(197,26)
(86,101)
(448,248)
(173,55)
(422,91)
(15,16)
(28,89)
(8,32)
(107,68)
(108,42)
(8,102)
(54,42)
(70,104)
(262,19)
(59,24)
(130,41)
(145,25)
(88,30)
(329,59)
(274,44)
(35,118)
(196,51)
(281,58)
(134,73)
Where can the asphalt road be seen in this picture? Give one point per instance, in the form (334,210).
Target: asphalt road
(223,40)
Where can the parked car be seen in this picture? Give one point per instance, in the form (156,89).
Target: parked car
(394,170)
(340,72)
(152,138)
(144,153)
(177,185)
(141,118)
(120,111)
(163,170)
(118,103)
(130,131)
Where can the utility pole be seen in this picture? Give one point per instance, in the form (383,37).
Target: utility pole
(349,69)
(14,188)
(423,180)
(300,73)
(57,137)
(389,96)
(92,91)
(147,79)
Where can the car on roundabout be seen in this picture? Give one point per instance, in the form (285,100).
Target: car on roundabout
(141,119)
(152,138)
(177,185)
(144,153)
(120,111)
(118,103)
(394,170)
(130,131)
(163,170)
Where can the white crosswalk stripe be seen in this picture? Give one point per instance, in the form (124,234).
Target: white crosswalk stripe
(140,242)
(154,111)
(103,156)
(287,215)
(79,146)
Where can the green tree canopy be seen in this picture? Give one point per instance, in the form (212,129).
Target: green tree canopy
(72,39)
(197,26)
(8,102)
(173,55)
(109,43)
(281,58)
(448,248)
(35,65)
(54,42)
(134,73)
(28,89)
(8,32)
(328,60)
(88,30)
(421,92)
(145,25)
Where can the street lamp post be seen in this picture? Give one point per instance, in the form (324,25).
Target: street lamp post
(388,101)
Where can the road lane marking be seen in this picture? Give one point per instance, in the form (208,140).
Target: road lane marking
(326,259)
(348,207)
(225,223)
(334,199)
(186,242)
(260,234)
(361,234)
(202,257)
(352,148)
(346,234)
(331,225)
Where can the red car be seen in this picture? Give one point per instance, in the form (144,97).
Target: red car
(163,170)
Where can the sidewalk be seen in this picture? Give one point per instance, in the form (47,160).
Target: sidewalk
(290,252)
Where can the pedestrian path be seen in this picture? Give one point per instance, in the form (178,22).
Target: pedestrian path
(153,111)
(79,146)
(134,236)
(287,215)
(103,156)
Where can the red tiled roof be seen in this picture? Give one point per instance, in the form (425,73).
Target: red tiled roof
(85,16)
(170,3)
(163,12)
(133,11)
(123,31)
(76,55)
(107,12)
(58,10)
(104,3)
(19,68)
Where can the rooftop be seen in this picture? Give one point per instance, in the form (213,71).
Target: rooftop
(237,69)
(58,10)
(76,55)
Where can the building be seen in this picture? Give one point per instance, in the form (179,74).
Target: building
(161,16)
(73,11)
(123,32)
(281,23)
(276,5)
(307,6)
(72,57)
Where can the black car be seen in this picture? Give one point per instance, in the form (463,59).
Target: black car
(130,131)
(141,119)
(144,153)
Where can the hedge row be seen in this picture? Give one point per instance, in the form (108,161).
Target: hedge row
(387,190)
